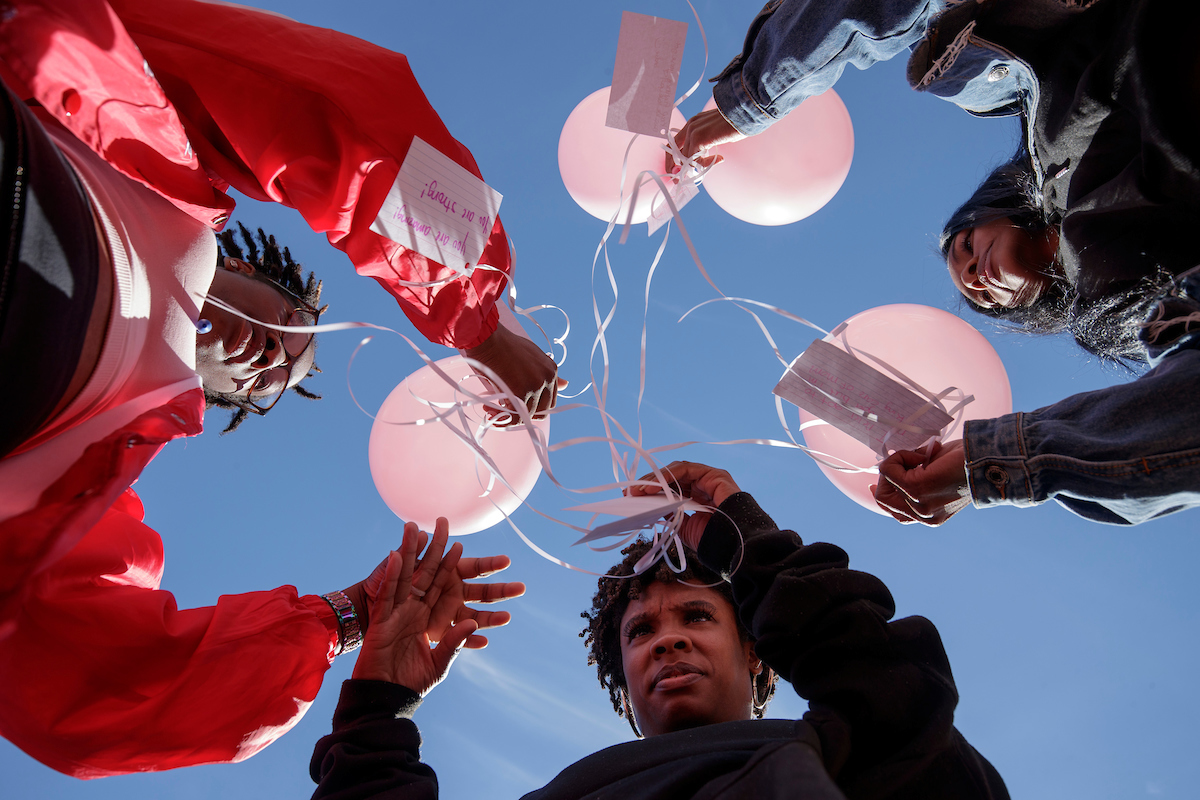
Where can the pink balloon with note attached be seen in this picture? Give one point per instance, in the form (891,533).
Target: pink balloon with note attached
(935,349)
(425,471)
(790,170)
(590,156)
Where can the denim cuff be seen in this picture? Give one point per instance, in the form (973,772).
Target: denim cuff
(738,107)
(996,462)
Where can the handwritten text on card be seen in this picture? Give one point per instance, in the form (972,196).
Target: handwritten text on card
(828,382)
(438,208)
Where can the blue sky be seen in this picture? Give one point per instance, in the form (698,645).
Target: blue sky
(1072,643)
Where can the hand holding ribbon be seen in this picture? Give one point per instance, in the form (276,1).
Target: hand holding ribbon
(698,482)
(528,372)
(927,486)
(706,129)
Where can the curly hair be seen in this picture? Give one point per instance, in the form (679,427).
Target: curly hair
(278,267)
(1106,327)
(602,636)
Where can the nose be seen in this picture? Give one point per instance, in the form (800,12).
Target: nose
(672,641)
(969,274)
(273,354)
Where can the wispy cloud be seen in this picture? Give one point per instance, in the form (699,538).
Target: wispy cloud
(531,701)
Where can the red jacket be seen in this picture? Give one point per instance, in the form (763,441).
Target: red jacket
(100,673)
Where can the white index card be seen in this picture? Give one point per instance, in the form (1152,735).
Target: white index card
(649,54)
(438,208)
(636,513)
(681,193)
(825,371)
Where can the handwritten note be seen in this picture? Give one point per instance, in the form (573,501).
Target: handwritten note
(825,371)
(649,53)
(438,208)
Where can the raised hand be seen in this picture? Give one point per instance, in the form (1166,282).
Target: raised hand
(699,482)
(398,647)
(912,490)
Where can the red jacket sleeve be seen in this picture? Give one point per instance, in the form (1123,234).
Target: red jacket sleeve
(103,675)
(324,133)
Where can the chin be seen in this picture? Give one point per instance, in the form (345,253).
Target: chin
(681,719)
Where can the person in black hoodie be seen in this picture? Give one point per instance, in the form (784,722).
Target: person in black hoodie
(690,665)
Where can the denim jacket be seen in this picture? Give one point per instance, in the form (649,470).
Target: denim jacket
(796,49)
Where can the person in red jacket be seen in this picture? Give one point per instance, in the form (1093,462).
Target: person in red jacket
(122,129)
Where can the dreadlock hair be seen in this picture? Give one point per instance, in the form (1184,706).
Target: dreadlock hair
(277,266)
(602,636)
(1106,327)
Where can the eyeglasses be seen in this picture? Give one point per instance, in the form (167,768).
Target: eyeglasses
(268,386)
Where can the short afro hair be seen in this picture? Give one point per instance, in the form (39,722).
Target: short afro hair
(278,267)
(602,636)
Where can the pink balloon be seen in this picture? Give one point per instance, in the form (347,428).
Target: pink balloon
(424,471)
(590,157)
(935,349)
(790,170)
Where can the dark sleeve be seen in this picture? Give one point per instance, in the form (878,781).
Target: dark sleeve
(374,750)
(880,692)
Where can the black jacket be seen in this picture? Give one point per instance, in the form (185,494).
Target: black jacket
(881,701)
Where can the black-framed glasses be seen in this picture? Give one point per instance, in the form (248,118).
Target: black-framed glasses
(269,385)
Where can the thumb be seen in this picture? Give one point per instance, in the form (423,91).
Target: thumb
(448,649)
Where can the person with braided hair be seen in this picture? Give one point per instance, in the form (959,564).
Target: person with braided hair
(122,127)
(690,659)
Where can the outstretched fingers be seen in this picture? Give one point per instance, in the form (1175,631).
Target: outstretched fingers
(492,592)
(481,567)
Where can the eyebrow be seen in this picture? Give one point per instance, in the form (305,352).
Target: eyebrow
(687,605)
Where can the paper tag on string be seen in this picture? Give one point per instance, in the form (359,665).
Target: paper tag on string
(649,54)
(681,193)
(438,209)
(825,369)
(637,513)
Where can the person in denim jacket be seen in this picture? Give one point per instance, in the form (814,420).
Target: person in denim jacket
(1113,166)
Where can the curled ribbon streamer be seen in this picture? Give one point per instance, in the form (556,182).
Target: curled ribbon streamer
(703,69)
(470,435)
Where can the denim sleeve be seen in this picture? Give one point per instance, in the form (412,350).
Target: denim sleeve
(1121,455)
(796,49)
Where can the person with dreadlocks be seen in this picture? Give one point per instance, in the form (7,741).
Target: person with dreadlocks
(690,659)
(122,126)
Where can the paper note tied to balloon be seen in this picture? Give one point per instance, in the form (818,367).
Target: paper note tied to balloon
(649,54)
(681,193)
(438,208)
(636,513)
(828,383)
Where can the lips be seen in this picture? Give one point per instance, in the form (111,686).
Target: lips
(672,671)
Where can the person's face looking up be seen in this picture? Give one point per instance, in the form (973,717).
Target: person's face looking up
(684,660)
(1001,265)
(239,357)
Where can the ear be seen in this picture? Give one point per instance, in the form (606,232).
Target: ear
(237,265)
(753,661)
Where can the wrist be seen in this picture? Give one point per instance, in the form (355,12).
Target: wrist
(351,623)
(482,350)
